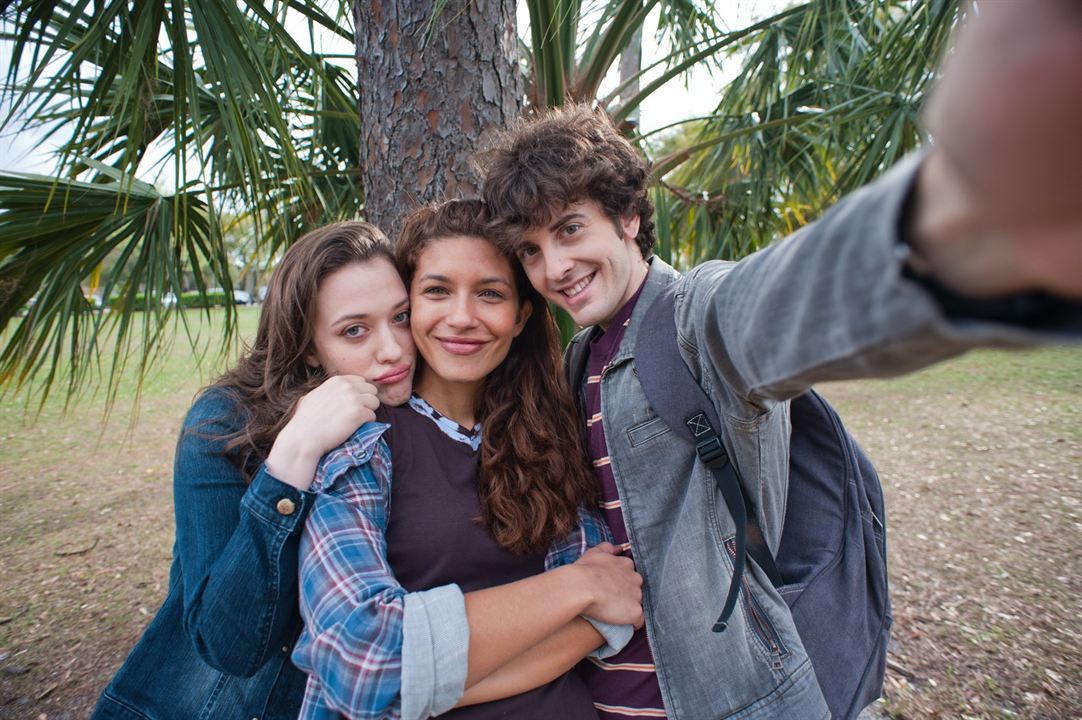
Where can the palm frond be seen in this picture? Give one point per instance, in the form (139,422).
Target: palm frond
(54,235)
(827,97)
(220,96)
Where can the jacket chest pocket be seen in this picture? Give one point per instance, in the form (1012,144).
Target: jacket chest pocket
(647,430)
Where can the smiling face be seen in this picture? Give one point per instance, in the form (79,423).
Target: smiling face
(465,313)
(362,327)
(584,262)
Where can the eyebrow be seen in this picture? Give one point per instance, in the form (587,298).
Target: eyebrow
(494,279)
(564,219)
(361,316)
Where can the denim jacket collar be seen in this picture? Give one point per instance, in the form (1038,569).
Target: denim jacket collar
(658,277)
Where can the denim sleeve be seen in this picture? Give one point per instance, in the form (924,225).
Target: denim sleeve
(831,302)
(237,546)
(591,530)
(372,649)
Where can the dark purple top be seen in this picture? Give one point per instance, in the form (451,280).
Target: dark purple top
(434,537)
(624,686)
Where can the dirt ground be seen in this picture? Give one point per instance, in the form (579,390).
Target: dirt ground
(980,460)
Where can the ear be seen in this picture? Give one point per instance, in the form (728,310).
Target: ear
(630,226)
(524,313)
(311,360)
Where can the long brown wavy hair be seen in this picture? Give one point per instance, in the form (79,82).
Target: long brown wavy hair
(273,375)
(534,471)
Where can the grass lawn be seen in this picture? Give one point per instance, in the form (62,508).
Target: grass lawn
(980,459)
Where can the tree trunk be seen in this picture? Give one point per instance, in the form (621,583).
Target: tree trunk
(430,97)
(630,65)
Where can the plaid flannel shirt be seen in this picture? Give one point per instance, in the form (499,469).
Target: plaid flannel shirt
(353,608)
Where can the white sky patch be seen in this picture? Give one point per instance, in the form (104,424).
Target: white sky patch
(22,150)
(696,94)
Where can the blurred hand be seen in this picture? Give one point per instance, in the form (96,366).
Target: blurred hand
(1004,181)
(614,585)
(322,420)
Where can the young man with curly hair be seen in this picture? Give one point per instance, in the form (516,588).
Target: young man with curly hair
(976,241)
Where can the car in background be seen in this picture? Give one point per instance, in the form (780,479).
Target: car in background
(214,296)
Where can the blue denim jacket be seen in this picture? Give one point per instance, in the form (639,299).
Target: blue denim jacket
(219,646)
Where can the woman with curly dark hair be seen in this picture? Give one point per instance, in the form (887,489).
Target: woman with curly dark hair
(455,577)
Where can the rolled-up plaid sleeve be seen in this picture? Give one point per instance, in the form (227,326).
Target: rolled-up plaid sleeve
(590,531)
(357,616)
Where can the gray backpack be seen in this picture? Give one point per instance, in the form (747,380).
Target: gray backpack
(831,566)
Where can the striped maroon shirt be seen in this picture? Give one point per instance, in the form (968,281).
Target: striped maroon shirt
(625,685)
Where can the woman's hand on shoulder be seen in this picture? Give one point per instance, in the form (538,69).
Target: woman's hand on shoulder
(323,419)
(614,585)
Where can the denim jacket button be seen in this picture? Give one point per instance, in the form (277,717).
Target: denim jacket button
(286,506)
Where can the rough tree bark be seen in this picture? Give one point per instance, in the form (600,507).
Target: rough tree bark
(429,101)
(630,65)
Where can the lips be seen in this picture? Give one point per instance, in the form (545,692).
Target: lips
(461,346)
(395,374)
(573,291)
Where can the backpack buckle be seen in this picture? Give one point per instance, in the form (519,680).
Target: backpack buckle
(712,452)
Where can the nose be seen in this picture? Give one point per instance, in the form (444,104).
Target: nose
(460,313)
(557,265)
(388,349)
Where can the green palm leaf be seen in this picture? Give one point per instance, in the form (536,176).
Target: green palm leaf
(54,234)
(219,96)
(827,97)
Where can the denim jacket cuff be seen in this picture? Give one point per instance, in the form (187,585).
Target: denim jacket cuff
(435,649)
(616,637)
(276,502)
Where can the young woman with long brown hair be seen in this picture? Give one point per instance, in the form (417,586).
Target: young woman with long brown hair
(336,314)
(423,581)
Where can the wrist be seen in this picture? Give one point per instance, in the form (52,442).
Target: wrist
(577,584)
(295,442)
(293,463)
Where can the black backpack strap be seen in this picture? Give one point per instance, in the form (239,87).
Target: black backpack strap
(576,357)
(679,400)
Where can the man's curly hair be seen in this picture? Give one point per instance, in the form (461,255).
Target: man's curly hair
(563,156)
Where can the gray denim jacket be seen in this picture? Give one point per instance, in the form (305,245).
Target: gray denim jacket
(829,302)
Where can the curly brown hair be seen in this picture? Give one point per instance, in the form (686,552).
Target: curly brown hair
(565,155)
(534,471)
(273,375)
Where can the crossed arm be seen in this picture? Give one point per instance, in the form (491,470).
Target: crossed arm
(372,649)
